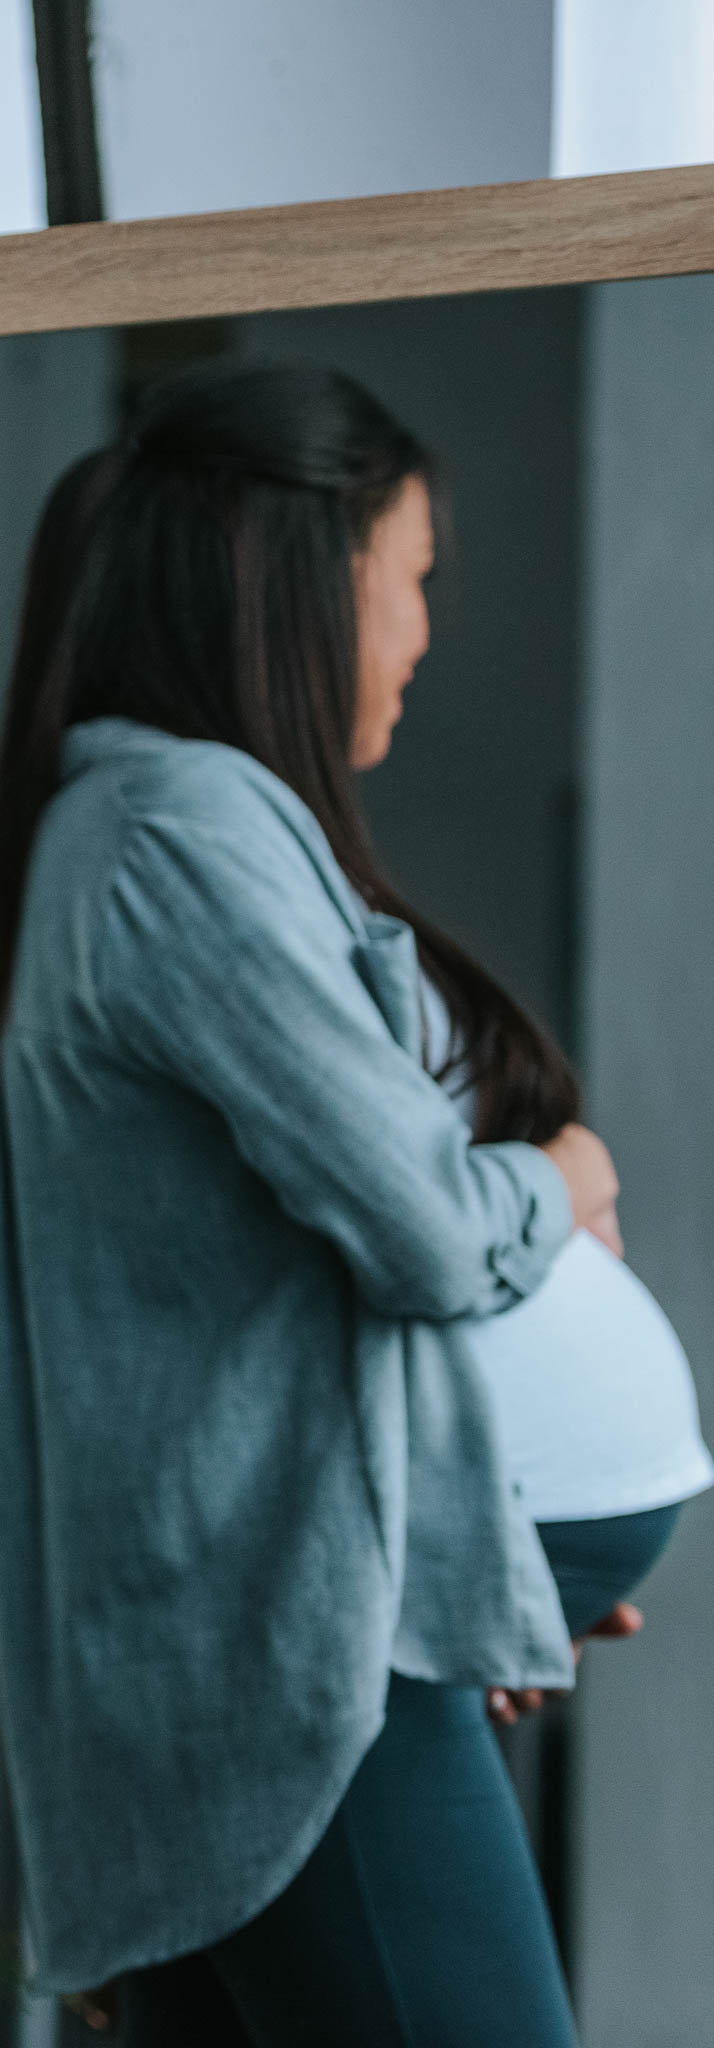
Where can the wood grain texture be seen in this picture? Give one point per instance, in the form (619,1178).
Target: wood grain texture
(335,252)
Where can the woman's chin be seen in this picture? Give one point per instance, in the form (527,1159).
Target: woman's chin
(370,756)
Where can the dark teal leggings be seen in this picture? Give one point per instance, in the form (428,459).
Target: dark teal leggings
(419,1919)
(596,1563)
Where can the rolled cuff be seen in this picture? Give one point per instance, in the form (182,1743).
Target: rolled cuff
(548,1225)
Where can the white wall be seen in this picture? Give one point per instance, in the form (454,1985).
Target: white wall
(209,104)
(23,201)
(633,85)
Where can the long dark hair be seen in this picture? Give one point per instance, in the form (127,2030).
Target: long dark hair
(196,576)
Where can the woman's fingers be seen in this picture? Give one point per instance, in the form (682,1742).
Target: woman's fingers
(624,1620)
(499,1707)
(97,2008)
(504,1707)
(605,1226)
(587,1169)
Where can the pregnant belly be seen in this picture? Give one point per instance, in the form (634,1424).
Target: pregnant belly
(596,1563)
(593,1394)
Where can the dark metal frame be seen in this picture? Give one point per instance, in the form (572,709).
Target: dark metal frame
(69,129)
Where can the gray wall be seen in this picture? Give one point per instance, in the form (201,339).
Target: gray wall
(646,1763)
(56,402)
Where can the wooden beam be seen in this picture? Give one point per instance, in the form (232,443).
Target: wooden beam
(335,252)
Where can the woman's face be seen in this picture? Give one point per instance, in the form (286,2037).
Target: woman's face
(392,616)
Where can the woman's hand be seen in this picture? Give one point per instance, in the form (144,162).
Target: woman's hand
(590,1178)
(622,1621)
(592,1183)
(504,1708)
(605,1226)
(97,2008)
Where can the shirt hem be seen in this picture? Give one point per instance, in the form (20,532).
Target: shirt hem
(661,1493)
(104,1964)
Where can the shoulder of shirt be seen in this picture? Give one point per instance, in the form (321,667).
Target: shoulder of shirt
(204,799)
(202,781)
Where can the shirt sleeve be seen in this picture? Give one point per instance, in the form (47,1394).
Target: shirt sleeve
(223,963)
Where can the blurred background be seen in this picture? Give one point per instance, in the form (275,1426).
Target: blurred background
(548,796)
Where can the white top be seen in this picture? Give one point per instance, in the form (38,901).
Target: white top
(593,1392)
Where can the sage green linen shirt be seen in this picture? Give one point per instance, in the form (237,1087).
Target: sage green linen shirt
(247,1463)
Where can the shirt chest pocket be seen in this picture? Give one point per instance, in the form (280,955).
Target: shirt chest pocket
(388,964)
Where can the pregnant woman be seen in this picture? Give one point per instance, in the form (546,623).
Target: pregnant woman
(263,1548)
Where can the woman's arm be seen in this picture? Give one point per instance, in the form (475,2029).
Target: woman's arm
(225,965)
